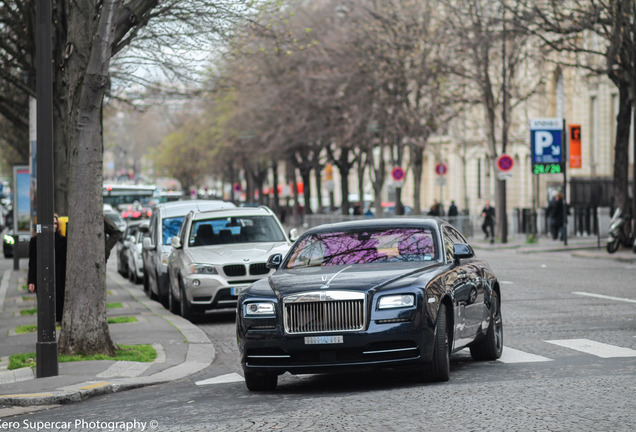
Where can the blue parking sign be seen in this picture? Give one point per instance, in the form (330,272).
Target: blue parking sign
(546,140)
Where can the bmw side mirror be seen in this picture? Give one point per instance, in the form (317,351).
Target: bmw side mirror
(176,242)
(293,234)
(462,251)
(147,244)
(274,261)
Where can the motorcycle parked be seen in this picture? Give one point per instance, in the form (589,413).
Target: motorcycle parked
(617,234)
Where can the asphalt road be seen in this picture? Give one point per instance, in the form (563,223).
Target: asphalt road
(569,364)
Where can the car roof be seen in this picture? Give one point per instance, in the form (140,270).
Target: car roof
(239,211)
(182,208)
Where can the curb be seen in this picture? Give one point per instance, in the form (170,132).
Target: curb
(199,355)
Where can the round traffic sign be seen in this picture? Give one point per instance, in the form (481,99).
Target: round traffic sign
(505,163)
(398,174)
(441,169)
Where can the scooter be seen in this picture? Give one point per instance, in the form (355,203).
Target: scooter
(617,234)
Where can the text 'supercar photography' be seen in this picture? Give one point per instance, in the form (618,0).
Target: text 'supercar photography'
(366,295)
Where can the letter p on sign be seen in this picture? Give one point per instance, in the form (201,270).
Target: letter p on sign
(542,140)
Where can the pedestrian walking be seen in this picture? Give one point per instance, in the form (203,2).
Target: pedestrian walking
(60,268)
(452,213)
(555,214)
(488,224)
(436,209)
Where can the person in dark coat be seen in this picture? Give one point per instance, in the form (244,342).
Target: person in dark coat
(555,214)
(488,225)
(60,268)
(112,235)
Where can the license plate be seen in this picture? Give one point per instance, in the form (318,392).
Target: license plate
(236,290)
(319,340)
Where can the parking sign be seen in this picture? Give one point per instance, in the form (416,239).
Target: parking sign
(546,141)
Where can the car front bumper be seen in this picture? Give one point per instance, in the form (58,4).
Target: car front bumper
(380,346)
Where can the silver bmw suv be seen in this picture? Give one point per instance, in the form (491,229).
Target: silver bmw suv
(218,253)
(165,222)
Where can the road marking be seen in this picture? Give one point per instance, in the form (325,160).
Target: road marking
(581,293)
(597,349)
(222,379)
(511,355)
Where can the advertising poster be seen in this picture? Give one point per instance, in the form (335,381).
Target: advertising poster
(22,200)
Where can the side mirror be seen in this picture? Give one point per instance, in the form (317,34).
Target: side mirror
(175,241)
(273,262)
(462,251)
(293,234)
(147,243)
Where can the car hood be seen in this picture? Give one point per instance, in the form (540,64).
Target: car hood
(349,278)
(232,253)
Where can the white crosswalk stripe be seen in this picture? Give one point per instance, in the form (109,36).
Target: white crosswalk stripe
(595,348)
(222,379)
(511,355)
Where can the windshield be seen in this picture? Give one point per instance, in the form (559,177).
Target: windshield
(170,228)
(237,229)
(364,246)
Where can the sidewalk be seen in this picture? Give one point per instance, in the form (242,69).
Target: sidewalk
(183,349)
(584,247)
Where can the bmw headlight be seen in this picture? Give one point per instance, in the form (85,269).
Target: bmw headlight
(202,269)
(259,309)
(396,301)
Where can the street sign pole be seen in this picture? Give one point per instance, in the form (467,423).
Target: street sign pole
(46,346)
(565,186)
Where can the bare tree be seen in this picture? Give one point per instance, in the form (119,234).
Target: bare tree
(600,37)
(86,35)
(490,60)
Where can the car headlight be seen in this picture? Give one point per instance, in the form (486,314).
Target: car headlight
(259,309)
(202,269)
(9,239)
(396,301)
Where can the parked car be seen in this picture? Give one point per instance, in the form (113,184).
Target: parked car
(370,294)
(117,219)
(128,240)
(133,254)
(219,253)
(164,223)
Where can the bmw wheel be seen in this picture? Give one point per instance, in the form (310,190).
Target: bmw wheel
(173,304)
(185,309)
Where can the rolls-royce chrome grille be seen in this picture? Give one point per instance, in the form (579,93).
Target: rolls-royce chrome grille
(325,312)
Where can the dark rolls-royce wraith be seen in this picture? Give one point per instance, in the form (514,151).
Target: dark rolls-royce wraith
(370,294)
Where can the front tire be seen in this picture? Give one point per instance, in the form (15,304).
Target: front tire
(261,381)
(185,309)
(492,346)
(440,367)
(173,304)
(612,246)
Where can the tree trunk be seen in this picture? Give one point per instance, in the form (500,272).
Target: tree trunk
(417,164)
(344,167)
(621,150)
(85,326)
(318,177)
